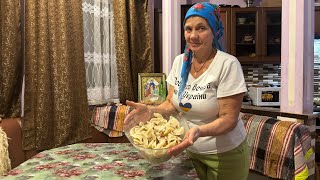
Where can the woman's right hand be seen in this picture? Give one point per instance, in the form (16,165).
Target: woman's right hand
(141,112)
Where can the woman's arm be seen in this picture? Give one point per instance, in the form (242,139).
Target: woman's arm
(144,112)
(228,116)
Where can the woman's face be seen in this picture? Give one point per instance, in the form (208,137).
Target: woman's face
(198,34)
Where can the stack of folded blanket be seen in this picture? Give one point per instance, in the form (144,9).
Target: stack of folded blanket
(109,119)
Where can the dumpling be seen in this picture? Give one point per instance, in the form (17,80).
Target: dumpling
(157,133)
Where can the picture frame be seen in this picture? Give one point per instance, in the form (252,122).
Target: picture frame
(152,88)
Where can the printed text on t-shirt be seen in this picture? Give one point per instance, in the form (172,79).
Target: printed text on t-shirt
(193,91)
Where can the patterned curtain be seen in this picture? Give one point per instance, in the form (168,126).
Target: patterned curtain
(133,44)
(99,51)
(10,59)
(56,105)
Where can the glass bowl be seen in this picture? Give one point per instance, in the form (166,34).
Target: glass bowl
(155,155)
(153,100)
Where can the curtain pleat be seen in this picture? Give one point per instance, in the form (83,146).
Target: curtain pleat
(11,64)
(56,107)
(133,45)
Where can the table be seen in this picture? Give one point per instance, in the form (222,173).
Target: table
(93,161)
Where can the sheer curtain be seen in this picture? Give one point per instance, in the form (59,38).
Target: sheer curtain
(99,51)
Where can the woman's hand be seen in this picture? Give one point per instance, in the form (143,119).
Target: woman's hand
(191,136)
(141,112)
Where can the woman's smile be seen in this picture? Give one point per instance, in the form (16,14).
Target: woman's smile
(194,44)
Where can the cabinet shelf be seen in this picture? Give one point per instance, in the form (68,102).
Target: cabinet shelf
(245,25)
(245,44)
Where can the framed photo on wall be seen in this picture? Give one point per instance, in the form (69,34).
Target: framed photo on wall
(152,88)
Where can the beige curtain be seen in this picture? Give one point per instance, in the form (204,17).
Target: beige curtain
(56,108)
(10,58)
(133,44)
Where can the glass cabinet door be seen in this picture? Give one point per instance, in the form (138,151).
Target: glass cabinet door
(245,33)
(272,33)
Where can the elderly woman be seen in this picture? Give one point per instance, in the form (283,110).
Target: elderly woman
(207,87)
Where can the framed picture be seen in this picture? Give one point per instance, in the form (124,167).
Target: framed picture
(152,88)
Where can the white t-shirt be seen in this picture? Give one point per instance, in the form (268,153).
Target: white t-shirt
(199,103)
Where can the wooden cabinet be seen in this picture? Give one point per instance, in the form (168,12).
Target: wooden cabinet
(184,9)
(225,13)
(226,21)
(245,34)
(252,34)
(256,34)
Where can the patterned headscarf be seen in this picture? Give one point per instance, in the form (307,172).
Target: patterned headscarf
(211,13)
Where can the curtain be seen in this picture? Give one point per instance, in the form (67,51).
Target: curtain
(133,45)
(10,59)
(99,51)
(56,107)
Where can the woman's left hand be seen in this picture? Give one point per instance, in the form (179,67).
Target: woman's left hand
(191,136)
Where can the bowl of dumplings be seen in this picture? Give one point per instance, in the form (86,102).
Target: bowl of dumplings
(155,136)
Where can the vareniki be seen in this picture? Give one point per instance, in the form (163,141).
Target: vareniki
(157,133)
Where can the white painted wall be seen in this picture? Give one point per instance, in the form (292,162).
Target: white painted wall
(171,12)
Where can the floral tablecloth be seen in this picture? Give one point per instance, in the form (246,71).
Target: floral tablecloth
(110,161)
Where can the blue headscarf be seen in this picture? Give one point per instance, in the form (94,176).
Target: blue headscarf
(211,13)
